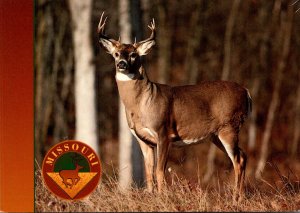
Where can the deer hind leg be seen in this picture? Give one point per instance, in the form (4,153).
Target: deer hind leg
(148,153)
(67,183)
(229,139)
(72,184)
(76,180)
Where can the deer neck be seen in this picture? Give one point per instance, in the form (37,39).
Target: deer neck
(133,87)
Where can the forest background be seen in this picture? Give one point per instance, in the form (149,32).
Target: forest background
(255,43)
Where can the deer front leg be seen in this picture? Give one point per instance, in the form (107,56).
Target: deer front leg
(162,155)
(148,153)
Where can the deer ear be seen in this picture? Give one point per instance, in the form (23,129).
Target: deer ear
(108,45)
(144,48)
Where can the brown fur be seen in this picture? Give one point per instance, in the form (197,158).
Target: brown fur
(160,115)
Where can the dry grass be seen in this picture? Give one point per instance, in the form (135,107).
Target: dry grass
(178,197)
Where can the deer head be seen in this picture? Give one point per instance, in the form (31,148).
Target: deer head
(127,56)
(76,158)
(78,166)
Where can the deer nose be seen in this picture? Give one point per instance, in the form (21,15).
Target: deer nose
(122,65)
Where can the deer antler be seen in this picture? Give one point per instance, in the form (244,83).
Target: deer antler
(101,24)
(100,30)
(153,33)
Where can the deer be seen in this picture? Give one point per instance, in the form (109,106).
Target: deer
(70,174)
(162,116)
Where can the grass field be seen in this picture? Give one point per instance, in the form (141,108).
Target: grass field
(179,196)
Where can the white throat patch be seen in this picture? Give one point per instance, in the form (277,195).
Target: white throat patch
(124,77)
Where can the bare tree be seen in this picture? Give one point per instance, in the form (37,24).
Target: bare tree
(164,42)
(136,153)
(54,76)
(225,75)
(191,61)
(85,103)
(125,136)
(259,66)
(287,31)
(296,135)
(44,35)
(252,131)
(228,39)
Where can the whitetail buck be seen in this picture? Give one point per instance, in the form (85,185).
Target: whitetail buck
(160,115)
(70,174)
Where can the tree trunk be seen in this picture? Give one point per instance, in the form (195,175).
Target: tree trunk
(43,108)
(287,31)
(252,125)
(145,5)
(210,165)
(164,44)
(60,94)
(260,65)
(125,136)
(85,104)
(137,155)
(296,136)
(53,79)
(225,74)
(191,61)
(228,39)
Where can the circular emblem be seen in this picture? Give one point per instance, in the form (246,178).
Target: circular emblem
(71,170)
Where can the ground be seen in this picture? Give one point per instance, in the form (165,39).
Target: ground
(179,196)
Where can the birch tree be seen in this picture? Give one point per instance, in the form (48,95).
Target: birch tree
(125,136)
(85,104)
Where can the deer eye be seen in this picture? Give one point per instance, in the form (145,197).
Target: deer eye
(117,54)
(133,55)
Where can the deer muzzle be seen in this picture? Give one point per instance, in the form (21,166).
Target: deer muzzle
(122,65)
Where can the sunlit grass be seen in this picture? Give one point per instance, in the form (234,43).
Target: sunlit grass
(179,196)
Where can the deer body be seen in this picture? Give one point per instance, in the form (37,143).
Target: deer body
(161,116)
(70,174)
(187,114)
